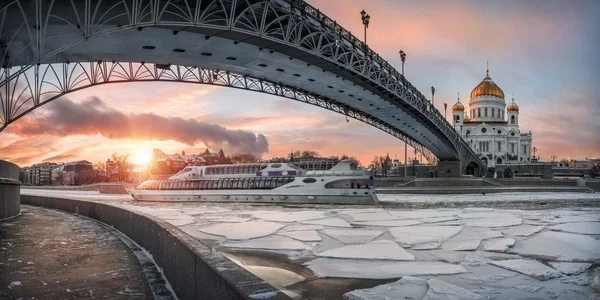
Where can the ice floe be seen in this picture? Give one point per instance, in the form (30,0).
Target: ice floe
(273,242)
(501,245)
(452,257)
(227,219)
(422,214)
(372,269)
(560,246)
(294,216)
(425,246)
(557,219)
(333,222)
(388,223)
(243,231)
(570,268)
(438,219)
(301,227)
(531,288)
(469,239)
(440,290)
(581,228)
(303,235)
(528,267)
(375,216)
(418,234)
(492,222)
(382,249)
(522,230)
(353,236)
(406,288)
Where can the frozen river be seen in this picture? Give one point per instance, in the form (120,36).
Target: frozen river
(324,252)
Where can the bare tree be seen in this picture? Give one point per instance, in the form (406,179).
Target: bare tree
(244,158)
(122,162)
(99,171)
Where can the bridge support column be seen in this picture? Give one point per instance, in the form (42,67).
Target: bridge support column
(10,190)
(449,168)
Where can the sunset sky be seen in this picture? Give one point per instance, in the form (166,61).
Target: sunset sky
(545,52)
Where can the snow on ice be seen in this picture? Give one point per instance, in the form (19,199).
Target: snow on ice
(353,236)
(303,235)
(581,227)
(440,290)
(528,267)
(379,269)
(522,230)
(333,222)
(295,216)
(243,231)
(406,288)
(418,234)
(570,268)
(560,246)
(269,243)
(388,223)
(501,245)
(383,249)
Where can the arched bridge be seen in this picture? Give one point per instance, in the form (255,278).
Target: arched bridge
(288,48)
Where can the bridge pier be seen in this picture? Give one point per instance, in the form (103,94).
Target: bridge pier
(10,190)
(449,168)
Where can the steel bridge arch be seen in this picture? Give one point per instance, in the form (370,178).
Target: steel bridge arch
(86,75)
(286,26)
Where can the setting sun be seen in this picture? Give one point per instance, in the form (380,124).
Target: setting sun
(141,157)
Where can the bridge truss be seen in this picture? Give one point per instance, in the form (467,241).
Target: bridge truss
(285,25)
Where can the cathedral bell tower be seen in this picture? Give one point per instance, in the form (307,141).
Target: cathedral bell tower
(458,115)
(513,114)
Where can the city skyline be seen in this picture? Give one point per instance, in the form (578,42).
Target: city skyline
(540,51)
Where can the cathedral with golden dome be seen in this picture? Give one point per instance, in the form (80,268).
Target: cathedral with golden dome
(490,127)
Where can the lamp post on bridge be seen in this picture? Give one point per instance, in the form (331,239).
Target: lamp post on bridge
(432,96)
(445,109)
(365,20)
(403,59)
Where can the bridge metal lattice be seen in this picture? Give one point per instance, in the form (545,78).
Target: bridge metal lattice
(44,83)
(285,24)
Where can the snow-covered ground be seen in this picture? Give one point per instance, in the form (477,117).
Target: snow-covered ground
(468,253)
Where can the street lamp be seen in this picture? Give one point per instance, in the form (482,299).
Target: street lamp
(365,20)
(445,108)
(403,58)
(432,95)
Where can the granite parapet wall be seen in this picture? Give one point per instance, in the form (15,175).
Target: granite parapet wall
(10,190)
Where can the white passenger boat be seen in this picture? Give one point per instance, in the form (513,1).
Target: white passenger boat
(263,182)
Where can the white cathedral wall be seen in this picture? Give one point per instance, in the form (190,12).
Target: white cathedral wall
(509,135)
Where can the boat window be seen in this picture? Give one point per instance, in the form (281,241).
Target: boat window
(263,166)
(275,166)
(261,183)
(246,169)
(353,166)
(230,183)
(209,185)
(244,183)
(280,181)
(251,183)
(219,184)
(309,180)
(200,185)
(189,185)
(185,170)
(238,184)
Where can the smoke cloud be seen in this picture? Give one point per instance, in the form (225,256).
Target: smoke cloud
(92,116)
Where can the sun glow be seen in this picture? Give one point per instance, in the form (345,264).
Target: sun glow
(142,157)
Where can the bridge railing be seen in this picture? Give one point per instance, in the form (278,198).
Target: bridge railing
(421,102)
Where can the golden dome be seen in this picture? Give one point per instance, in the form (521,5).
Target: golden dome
(458,106)
(513,106)
(487,88)
(467,119)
